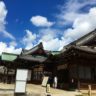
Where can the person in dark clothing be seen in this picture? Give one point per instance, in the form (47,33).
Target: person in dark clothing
(72,84)
(50,81)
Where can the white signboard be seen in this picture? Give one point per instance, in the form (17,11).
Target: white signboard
(21,79)
(20,87)
(21,74)
(45,80)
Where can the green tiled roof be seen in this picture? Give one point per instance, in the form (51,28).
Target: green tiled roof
(55,52)
(8,56)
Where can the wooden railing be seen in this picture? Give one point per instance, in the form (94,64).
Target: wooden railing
(85,86)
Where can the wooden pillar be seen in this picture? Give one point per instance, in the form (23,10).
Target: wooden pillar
(78,80)
(4,77)
(32,70)
(7,79)
(15,73)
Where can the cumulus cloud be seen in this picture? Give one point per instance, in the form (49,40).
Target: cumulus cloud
(29,39)
(3,13)
(52,44)
(9,49)
(82,22)
(41,21)
(82,25)
(73,13)
(48,33)
(49,38)
(73,9)
(13,43)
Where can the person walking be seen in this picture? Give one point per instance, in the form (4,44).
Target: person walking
(55,82)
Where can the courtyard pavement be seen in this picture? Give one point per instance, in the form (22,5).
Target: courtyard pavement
(35,90)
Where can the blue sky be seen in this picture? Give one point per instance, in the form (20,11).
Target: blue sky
(56,23)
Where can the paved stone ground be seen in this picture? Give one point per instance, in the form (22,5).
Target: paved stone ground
(35,90)
(85,92)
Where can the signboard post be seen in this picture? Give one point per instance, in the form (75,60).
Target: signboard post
(45,80)
(21,80)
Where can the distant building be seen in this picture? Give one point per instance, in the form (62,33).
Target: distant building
(75,61)
(78,60)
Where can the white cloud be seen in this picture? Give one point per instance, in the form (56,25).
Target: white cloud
(48,33)
(13,43)
(52,44)
(12,49)
(71,13)
(82,22)
(9,49)
(72,9)
(41,21)
(3,13)
(29,39)
(49,38)
(82,25)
